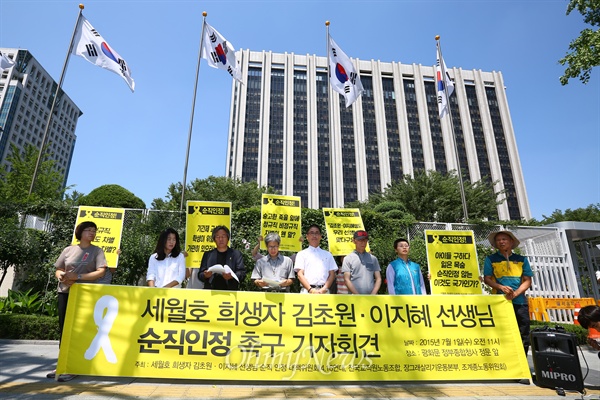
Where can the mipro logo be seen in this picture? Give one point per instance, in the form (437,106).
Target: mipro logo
(559,376)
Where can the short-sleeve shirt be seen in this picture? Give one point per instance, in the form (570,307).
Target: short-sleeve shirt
(316,264)
(277,269)
(508,272)
(362,268)
(80,261)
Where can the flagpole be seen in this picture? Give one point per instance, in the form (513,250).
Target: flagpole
(189,141)
(330,113)
(460,178)
(62,77)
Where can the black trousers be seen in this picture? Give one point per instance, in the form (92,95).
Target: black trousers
(63,298)
(522,314)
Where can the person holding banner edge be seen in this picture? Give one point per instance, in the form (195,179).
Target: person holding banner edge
(510,274)
(80,263)
(314,266)
(403,275)
(222,255)
(275,267)
(166,267)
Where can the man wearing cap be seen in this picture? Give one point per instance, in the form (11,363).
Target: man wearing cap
(314,266)
(510,274)
(362,273)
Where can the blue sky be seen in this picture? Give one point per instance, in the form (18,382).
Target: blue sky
(138,140)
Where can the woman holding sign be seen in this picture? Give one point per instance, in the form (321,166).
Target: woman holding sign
(80,263)
(166,267)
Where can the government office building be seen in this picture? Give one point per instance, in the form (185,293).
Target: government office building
(279,130)
(26,94)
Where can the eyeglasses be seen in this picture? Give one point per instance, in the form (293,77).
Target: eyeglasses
(272,247)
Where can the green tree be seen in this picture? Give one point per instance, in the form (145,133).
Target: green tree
(434,196)
(111,196)
(12,249)
(15,184)
(584,51)
(215,188)
(589,214)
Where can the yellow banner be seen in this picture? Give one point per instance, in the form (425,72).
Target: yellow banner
(216,335)
(110,227)
(341,223)
(201,218)
(452,260)
(282,214)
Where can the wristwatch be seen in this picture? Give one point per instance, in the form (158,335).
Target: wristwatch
(78,277)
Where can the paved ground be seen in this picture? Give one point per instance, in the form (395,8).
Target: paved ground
(24,364)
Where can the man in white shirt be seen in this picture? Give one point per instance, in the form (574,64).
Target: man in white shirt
(315,267)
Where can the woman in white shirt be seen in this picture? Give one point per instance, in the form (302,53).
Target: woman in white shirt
(166,267)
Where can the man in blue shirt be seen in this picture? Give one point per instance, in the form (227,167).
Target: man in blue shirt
(404,276)
(510,274)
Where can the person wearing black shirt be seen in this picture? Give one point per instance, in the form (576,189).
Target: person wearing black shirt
(222,255)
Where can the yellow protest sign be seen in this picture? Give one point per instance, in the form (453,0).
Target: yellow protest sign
(110,228)
(281,214)
(341,223)
(253,336)
(452,260)
(201,218)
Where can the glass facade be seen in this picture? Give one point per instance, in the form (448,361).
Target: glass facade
(435,127)
(503,156)
(348,151)
(414,127)
(276,124)
(370,131)
(391,125)
(460,138)
(300,137)
(252,126)
(323,145)
(478,135)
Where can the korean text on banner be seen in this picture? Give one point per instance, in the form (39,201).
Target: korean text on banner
(452,260)
(110,229)
(201,218)
(282,214)
(253,336)
(341,223)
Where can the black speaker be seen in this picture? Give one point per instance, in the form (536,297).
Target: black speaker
(555,359)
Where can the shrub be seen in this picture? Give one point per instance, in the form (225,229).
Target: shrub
(28,327)
(577,330)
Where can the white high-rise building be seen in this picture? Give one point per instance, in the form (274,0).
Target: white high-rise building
(279,131)
(26,94)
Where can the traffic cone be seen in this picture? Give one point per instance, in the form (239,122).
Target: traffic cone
(576,316)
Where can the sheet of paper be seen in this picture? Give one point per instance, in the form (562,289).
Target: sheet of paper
(272,283)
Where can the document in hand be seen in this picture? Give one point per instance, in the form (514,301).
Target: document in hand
(223,269)
(272,283)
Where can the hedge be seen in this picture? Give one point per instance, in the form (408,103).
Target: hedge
(577,330)
(28,327)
